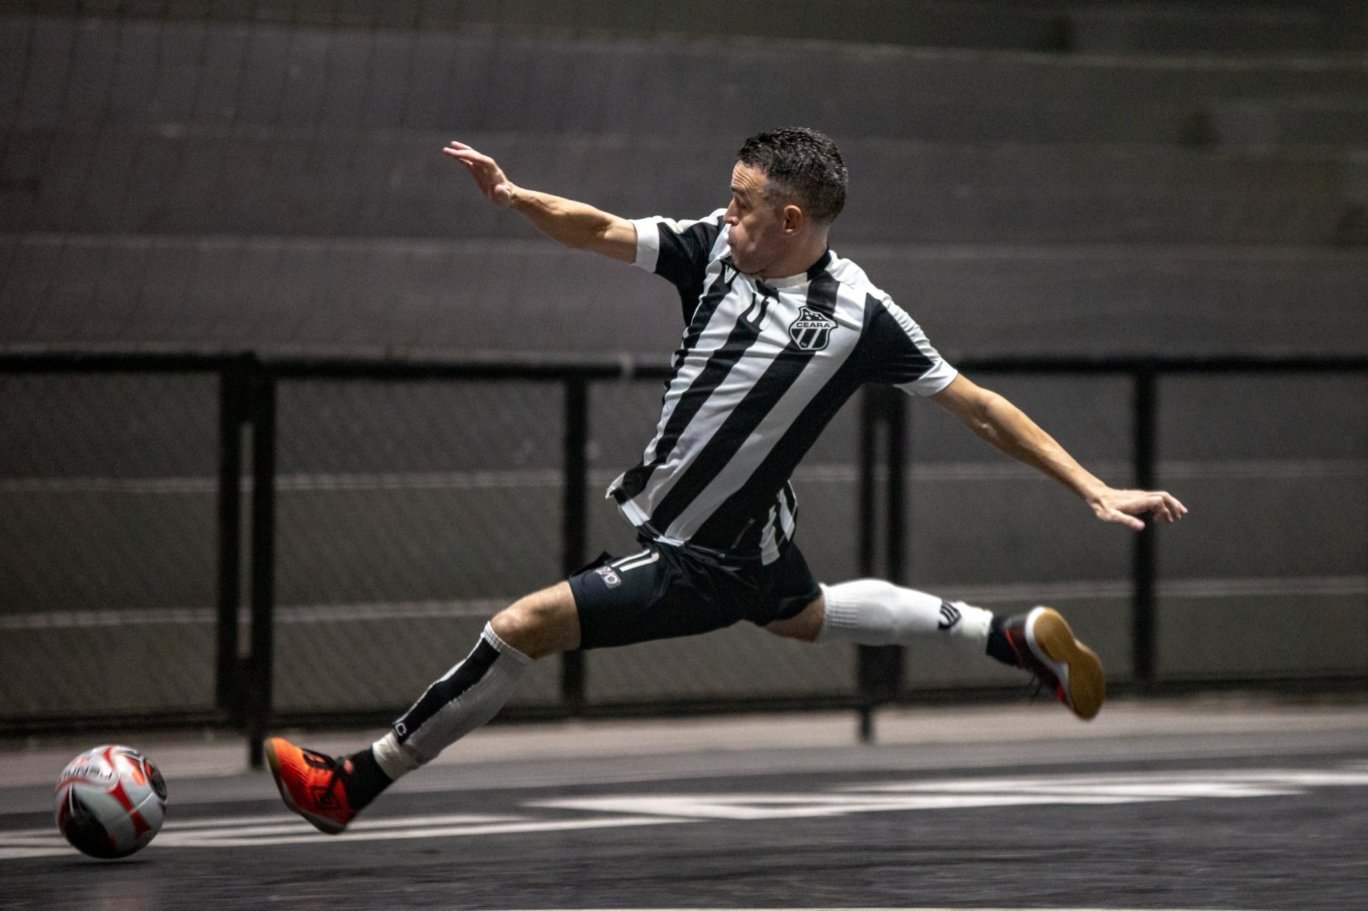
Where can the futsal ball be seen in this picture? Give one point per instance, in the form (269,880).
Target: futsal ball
(110,801)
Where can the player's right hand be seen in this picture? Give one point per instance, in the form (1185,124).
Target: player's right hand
(489,177)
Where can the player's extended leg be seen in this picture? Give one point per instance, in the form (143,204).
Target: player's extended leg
(875,612)
(329,791)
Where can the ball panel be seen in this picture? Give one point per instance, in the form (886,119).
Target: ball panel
(110,801)
(83,829)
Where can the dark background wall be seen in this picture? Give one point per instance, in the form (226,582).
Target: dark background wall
(1027,176)
(1034,177)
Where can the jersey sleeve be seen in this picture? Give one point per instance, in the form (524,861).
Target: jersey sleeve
(899,353)
(678,251)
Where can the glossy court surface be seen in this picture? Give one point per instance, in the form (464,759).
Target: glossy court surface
(1174,805)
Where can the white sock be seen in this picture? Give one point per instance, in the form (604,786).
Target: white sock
(875,612)
(466,697)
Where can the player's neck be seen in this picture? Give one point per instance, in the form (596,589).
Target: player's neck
(799,260)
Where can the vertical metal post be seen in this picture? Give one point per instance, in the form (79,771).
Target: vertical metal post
(232,405)
(868,465)
(261,663)
(1144,561)
(880,667)
(895,539)
(865,516)
(895,519)
(574,511)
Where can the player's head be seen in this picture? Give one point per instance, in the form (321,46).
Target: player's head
(787,187)
(803,166)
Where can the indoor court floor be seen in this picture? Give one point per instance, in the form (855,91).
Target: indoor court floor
(1238,805)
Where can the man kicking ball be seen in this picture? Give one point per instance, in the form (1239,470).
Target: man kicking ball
(779,332)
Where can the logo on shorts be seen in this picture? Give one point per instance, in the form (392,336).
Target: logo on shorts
(609,576)
(811,331)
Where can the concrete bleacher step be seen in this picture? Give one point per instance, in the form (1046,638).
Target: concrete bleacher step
(317,294)
(175,181)
(166,126)
(281,182)
(1110,194)
(1214,29)
(178,75)
(941,23)
(1169,27)
(1339,121)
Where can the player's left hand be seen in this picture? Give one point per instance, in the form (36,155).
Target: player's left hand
(1129,507)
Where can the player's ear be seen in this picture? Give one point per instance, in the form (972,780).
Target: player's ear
(794,218)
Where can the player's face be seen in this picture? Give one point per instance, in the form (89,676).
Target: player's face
(757,237)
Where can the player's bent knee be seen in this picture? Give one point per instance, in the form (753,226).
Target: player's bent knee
(540,624)
(804,626)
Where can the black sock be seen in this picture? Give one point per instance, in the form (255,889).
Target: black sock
(366,780)
(998,646)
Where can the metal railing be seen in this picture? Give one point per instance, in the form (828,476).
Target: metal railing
(247,394)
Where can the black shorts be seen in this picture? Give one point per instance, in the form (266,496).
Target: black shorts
(666,591)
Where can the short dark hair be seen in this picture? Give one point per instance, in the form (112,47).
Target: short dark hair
(804,163)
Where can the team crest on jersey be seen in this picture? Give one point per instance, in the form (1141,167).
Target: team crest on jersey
(811,331)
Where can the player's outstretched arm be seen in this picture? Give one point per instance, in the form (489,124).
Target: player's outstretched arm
(574,224)
(1008,428)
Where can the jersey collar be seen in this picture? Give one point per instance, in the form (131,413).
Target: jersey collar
(794,281)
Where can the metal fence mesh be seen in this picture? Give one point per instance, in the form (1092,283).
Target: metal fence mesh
(409,511)
(107,518)
(1275,584)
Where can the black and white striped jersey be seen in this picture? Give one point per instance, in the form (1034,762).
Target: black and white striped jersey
(763,365)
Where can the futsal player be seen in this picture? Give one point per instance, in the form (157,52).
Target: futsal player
(779,332)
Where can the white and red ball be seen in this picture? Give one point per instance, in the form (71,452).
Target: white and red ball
(110,801)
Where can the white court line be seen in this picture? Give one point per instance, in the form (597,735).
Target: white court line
(43,843)
(1177,784)
(970,793)
(278,820)
(512,827)
(607,811)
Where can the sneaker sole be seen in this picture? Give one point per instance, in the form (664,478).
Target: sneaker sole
(321,823)
(1078,668)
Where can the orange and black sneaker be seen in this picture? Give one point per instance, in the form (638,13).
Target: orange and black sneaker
(1042,643)
(312,784)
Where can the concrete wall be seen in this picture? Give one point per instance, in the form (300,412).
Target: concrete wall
(1027,178)
(217,184)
